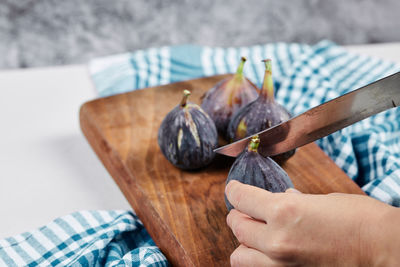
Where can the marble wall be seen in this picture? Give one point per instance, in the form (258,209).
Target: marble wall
(50,32)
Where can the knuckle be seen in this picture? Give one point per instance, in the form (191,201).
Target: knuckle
(281,248)
(290,207)
(284,210)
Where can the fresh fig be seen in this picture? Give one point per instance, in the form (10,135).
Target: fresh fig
(260,114)
(187,136)
(253,169)
(226,97)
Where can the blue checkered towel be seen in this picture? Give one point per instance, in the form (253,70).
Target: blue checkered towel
(305,76)
(86,238)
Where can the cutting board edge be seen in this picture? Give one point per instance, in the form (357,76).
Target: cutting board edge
(218,76)
(117,170)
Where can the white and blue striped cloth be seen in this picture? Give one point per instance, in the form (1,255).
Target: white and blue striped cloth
(85,238)
(305,76)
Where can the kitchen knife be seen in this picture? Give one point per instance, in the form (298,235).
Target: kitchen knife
(324,119)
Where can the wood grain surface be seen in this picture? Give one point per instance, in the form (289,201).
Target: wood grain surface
(184,212)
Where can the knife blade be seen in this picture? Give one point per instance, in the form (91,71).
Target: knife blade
(324,119)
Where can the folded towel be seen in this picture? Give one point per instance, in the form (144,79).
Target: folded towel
(85,238)
(304,76)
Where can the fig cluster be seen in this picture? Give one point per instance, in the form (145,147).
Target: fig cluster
(234,108)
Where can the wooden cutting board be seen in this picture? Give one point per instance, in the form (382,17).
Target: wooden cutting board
(184,212)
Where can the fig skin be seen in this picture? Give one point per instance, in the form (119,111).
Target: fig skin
(259,115)
(253,169)
(187,136)
(228,96)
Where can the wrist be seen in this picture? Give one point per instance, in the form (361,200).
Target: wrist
(387,239)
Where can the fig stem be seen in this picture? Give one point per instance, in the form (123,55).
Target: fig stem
(268,84)
(254,143)
(241,65)
(186,94)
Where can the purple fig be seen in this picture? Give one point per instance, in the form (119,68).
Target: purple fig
(260,114)
(253,169)
(187,136)
(228,96)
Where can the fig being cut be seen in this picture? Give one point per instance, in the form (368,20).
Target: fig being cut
(226,97)
(253,169)
(260,114)
(187,136)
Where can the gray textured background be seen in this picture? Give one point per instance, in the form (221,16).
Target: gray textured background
(49,32)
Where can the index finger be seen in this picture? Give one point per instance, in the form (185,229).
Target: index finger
(251,200)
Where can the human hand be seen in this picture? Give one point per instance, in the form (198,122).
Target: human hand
(294,229)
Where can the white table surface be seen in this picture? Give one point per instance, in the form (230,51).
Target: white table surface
(47,169)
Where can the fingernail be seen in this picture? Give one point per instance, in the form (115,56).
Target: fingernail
(293,190)
(228,219)
(229,185)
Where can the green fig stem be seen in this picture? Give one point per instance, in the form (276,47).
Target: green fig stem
(254,143)
(268,84)
(186,94)
(239,72)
